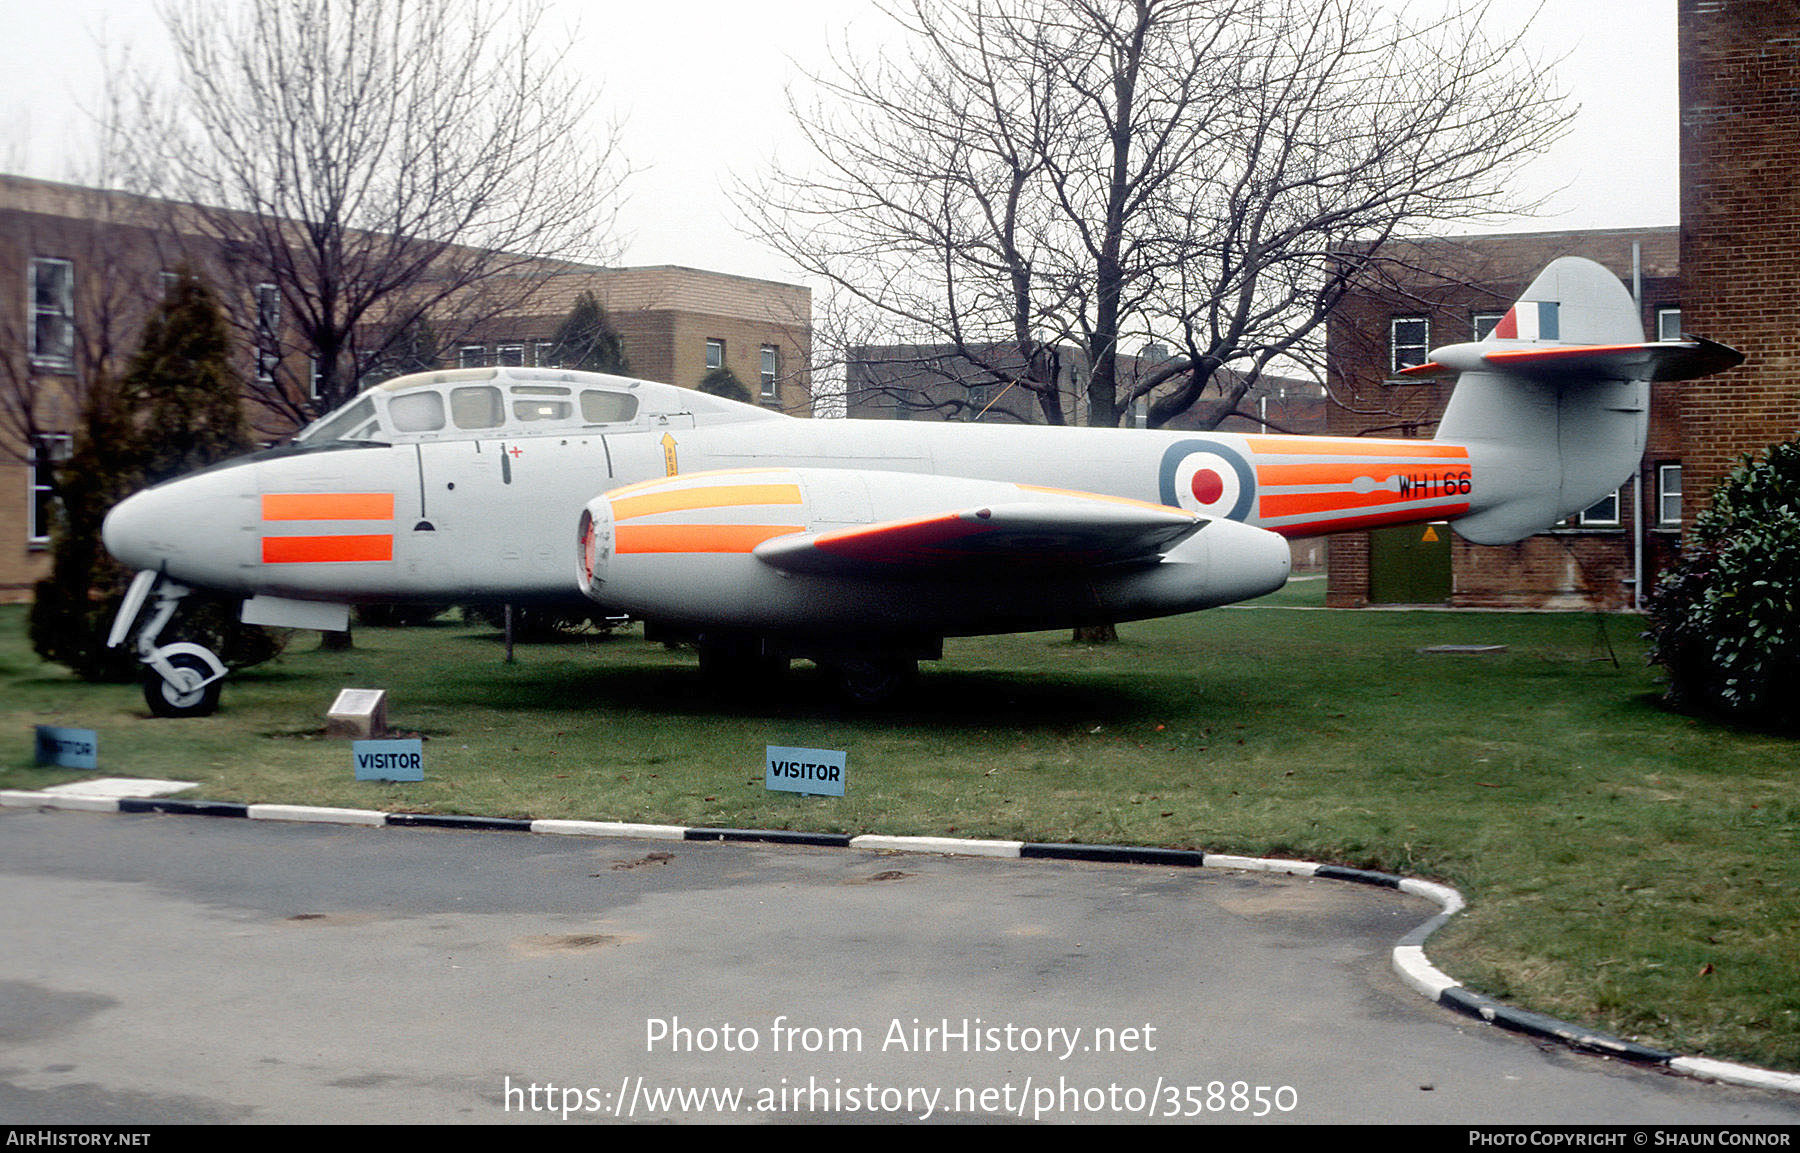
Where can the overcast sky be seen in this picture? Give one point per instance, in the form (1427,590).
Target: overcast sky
(700,86)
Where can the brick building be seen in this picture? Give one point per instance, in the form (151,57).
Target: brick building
(1453,290)
(1740,225)
(1738,282)
(677,324)
(87,266)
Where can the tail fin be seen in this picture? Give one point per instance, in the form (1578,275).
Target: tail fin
(1554,404)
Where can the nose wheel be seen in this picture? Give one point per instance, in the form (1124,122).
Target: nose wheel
(181,679)
(187,689)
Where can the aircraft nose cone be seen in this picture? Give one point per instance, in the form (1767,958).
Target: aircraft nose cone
(130,532)
(194,528)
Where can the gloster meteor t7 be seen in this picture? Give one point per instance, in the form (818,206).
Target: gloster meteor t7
(860,544)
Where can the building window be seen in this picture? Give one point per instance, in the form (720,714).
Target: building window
(1668,495)
(1603,513)
(1410,341)
(52,313)
(1668,324)
(49,452)
(511,356)
(471,356)
(771,370)
(1484,323)
(715,355)
(268,331)
(544,354)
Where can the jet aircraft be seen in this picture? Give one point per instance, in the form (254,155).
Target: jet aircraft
(861,544)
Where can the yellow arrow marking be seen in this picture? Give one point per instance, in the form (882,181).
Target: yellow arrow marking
(668,443)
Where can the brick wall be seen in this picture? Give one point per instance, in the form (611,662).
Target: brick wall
(1740,234)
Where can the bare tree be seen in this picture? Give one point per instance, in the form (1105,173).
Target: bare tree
(1040,182)
(364,165)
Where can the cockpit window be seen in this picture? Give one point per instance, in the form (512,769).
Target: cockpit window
(356,422)
(417,412)
(599,407)
(480,407)
(526,411)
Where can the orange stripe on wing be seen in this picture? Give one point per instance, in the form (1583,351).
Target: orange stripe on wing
(327,549)
(328,506)
(712,496)
(651,538)
(899,541)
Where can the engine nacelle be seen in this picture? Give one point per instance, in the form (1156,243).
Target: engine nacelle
(948,556)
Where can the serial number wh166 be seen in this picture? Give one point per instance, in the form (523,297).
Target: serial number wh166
(1422,486)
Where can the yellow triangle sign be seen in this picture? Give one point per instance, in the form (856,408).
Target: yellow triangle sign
(1430,534)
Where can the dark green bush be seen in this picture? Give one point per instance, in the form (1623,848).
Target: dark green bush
(1725,621)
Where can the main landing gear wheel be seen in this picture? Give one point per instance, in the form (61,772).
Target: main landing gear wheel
(188,695)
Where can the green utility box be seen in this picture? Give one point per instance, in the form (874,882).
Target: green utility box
(1410,565)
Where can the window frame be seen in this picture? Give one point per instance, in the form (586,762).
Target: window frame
(770,368)
(715,354)
(1395,346)
(267,298)
(61,311)
(1663,493)
(40,489)
(1587,518)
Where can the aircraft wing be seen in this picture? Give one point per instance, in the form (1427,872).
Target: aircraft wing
(1059,531)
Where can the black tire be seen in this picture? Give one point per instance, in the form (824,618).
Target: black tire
(188,697)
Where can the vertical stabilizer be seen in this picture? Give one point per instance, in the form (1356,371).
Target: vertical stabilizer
(1552,408)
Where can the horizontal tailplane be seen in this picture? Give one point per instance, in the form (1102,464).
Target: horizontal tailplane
(1554,404)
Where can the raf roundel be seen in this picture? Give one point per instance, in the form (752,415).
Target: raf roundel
(1208,478)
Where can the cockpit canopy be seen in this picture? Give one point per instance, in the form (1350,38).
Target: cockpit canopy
(477,403)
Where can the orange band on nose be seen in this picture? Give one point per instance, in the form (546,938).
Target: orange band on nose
(327,549)
(328,506)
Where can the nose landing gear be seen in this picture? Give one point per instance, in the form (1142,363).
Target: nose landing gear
(181,679)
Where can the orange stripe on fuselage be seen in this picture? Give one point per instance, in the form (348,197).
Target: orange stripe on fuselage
(1276,505)
(713,496)
(327,549)
(653,538)
(1328,473)
(328,506)
(1354,446)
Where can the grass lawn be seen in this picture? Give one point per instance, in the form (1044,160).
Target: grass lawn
(1625,867)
